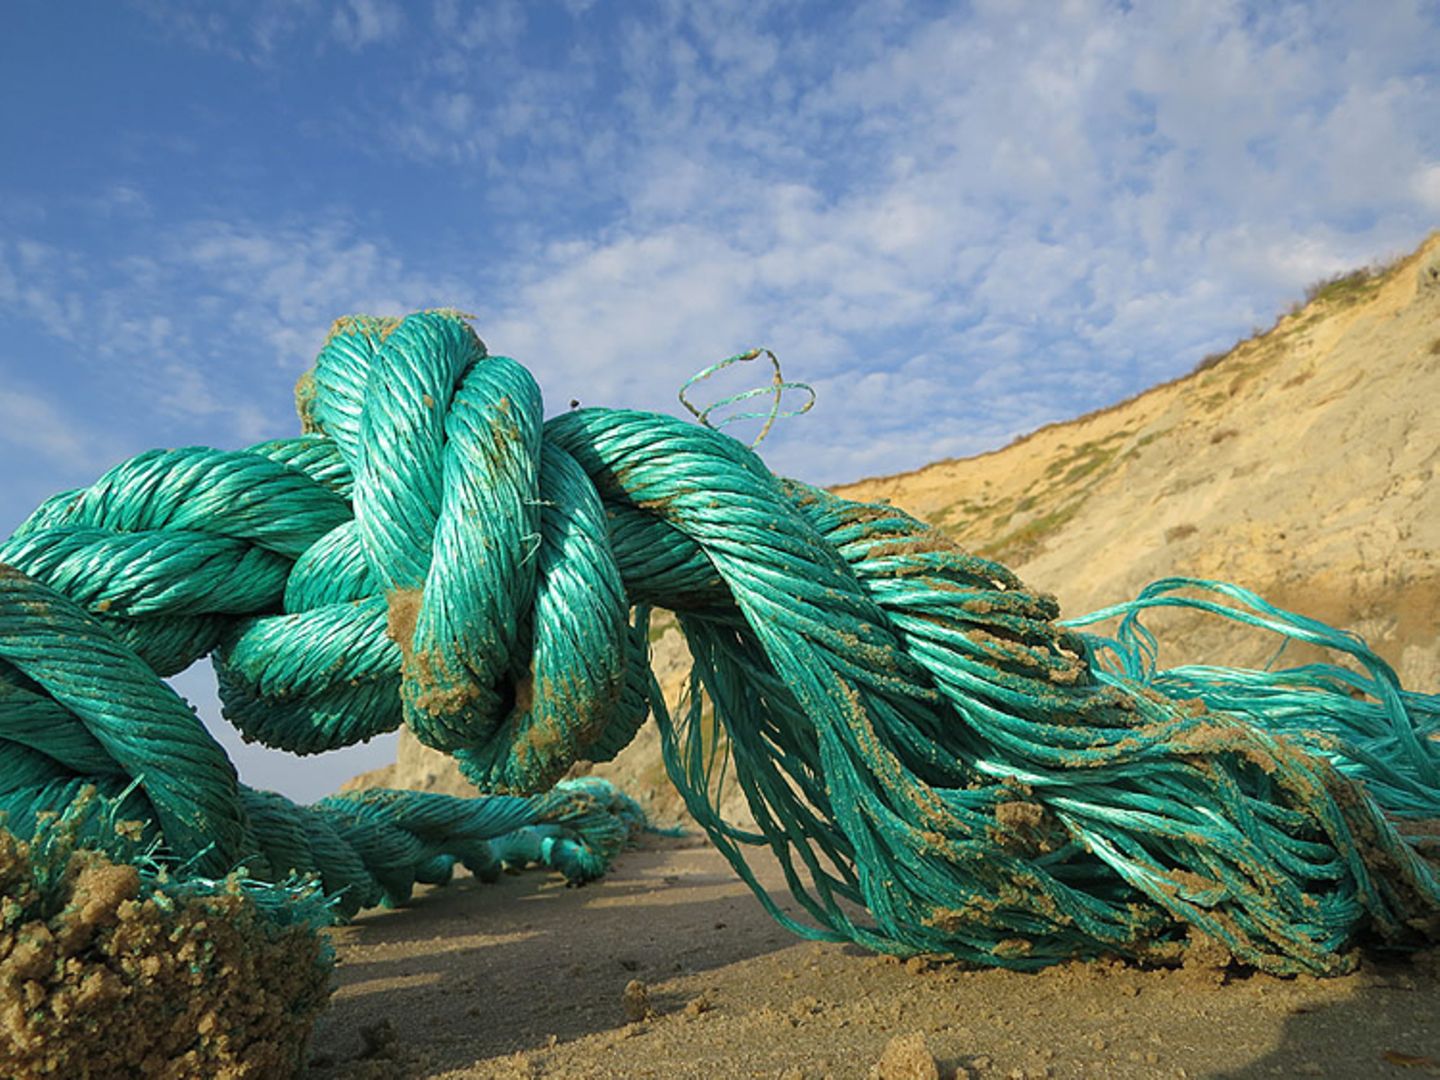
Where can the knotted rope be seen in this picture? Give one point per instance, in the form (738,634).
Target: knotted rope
(938,765)
(81,710)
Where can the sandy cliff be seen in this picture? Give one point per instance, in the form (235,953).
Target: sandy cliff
(1301,464)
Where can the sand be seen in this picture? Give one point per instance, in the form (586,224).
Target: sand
(102,976)
(669,968)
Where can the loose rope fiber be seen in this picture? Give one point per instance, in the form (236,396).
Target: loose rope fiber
(939,765)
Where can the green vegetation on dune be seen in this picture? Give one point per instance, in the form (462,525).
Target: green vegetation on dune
(1028,539)
(1348,288)
(1047,504)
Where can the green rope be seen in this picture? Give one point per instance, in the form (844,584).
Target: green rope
(80,709)
(938,764)
(775,391)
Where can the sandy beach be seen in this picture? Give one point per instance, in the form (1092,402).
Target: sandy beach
(668,967)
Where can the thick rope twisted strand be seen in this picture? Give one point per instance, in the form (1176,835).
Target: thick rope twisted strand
(79,709)
(937,763)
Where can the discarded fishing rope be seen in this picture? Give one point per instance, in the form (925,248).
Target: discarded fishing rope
(82,711)
(937,763)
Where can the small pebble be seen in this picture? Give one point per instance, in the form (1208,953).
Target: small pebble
(636,999)
(906,1057)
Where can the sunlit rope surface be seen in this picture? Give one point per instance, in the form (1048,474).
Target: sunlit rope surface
(939,765)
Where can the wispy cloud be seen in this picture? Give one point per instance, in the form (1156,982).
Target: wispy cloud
(45,447)
(957,221)
(956,225)
(42,282)
(197,332)
(261,31)
(32,423)
(253,32)
(1082,197)
(358,23)
(284,285)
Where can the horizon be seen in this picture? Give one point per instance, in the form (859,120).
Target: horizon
(960,224)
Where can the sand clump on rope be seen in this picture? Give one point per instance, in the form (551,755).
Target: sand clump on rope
(105,975)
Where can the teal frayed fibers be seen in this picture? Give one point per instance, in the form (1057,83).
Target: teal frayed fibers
(939,764)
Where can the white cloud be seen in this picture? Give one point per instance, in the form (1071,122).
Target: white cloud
(121,200)
(493,25)
(283,285)
(358,23)
(45,444)
(31,423)
(956,226)
(42,282)
(196,337)
(1425,183)
(1075,197)
(254,31)
(265,32)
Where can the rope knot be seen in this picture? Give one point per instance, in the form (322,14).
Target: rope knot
(486,547)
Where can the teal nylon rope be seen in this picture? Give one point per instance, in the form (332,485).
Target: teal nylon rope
(81,711)
(937,762)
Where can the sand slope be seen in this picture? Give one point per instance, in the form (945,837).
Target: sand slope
(1301,464)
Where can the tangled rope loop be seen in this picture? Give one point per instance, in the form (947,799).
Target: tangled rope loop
(915,733)
(486,546)
(81,714)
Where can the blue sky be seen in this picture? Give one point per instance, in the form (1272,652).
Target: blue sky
(956,221)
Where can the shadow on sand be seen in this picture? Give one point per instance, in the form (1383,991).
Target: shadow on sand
(1390,1026)
(471,974)
(470,971)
